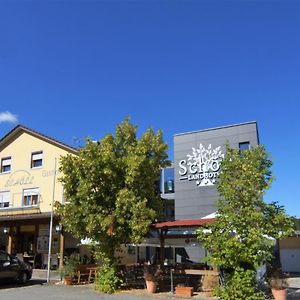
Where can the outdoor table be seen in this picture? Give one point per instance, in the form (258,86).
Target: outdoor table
(201,272)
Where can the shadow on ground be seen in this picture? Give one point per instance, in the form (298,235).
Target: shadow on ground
(293,293)
(5,284)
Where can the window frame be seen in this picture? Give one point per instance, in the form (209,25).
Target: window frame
(244,143)
(28,197)
(7,158)
(3,200)
(40,155)
(164,182)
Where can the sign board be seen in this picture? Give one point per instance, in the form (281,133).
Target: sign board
(202,165)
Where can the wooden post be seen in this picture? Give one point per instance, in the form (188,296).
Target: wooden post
(36,234)
(10,241)
(174,255)
(162,248)
(61,249)
(137,254)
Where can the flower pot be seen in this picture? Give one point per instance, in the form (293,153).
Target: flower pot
(209,292)
(68,280)
(279,294)
(151,286)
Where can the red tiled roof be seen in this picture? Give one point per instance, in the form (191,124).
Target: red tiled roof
(183,223)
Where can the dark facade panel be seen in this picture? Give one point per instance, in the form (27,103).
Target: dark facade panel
(197,158)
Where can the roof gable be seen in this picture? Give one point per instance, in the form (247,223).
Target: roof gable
(19,129)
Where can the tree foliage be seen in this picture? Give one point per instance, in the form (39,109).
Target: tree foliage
(242,237)
(111,188)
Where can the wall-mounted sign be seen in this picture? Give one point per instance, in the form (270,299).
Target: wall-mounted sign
(50,173)
(20,177)
(202,165)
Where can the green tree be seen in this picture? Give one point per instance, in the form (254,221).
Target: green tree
(111,188)
(242,237)
(297,223)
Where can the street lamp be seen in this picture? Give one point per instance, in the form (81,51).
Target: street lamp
(58,228)
(51,224)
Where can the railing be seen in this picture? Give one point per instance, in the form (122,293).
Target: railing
(169,277)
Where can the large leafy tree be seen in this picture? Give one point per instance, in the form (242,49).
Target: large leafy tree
(111,188)
(242,237)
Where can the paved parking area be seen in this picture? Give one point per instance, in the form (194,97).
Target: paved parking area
(35,290)
(294,287)
(38,289)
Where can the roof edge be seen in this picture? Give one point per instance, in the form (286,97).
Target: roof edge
(37,134)
(216,128)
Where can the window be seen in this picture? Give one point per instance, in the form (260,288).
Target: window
(30,197)
(169,210)
(4,199)
(37,159)
(244,146)
(5,165)
(168,180)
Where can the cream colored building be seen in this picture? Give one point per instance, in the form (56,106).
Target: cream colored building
(28,186)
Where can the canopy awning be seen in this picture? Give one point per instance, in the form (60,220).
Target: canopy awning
(183,223)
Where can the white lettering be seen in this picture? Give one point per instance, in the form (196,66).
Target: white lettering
(202,165)
(183,167)
(215,165)
(193,168)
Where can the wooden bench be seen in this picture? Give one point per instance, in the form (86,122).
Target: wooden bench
(86,273)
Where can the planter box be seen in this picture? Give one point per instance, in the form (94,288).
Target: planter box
(184,291)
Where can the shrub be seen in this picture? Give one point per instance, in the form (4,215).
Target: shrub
(240,284)
(210,282)
(107,280)
(152,273)
(70,265)
(277,280)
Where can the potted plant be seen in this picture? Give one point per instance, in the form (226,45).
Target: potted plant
(278,285)
(70,268)
(152,275)
(209,283)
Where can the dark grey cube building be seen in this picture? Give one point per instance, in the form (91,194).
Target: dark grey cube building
(189,188)
(197,161)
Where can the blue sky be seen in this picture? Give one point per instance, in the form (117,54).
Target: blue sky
(72,69)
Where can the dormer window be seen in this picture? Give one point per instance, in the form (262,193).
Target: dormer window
(37,159)
(6,165)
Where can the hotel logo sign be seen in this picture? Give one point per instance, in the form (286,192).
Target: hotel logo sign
(202,165)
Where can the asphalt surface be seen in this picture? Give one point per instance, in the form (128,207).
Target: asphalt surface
(39,290)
